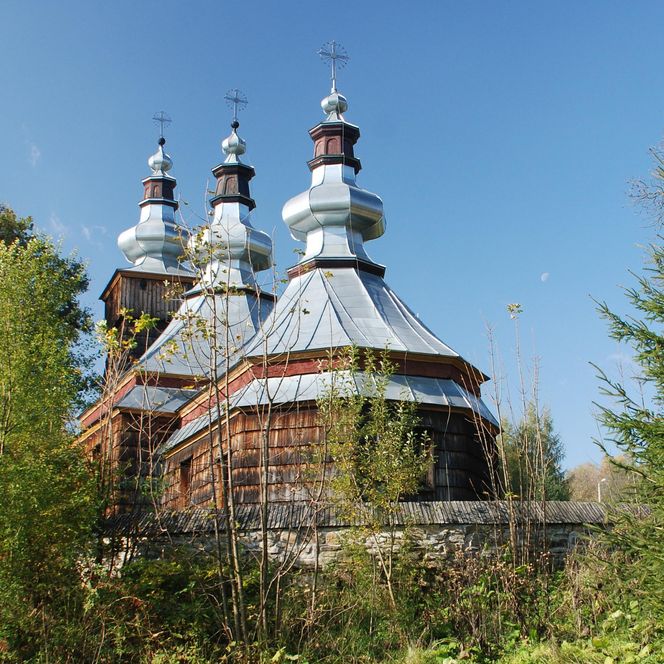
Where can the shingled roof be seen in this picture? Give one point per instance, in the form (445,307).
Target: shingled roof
(426,513)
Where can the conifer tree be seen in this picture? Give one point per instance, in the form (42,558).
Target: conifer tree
(636,426)
(534,454)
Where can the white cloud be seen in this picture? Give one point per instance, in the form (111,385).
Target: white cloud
(57,227)
(93,233)
(544,277)
(34,154)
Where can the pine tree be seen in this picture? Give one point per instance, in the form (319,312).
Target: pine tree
(636,425)
(534,454)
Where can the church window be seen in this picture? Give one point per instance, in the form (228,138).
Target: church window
(185,480)
(333,146)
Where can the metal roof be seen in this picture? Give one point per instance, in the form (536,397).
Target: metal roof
(310,387)
(323,309)
(156,399)
(327,305)
(187,431)
(186,346)
(148,267)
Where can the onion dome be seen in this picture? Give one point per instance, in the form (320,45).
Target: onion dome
(334,105)
(155,244)
(233,146)
(231,249)
(335,216)
(160,162)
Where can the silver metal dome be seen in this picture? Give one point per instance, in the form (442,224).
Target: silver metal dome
(160,162)
(334,105)
(156,244)
(233,146)
(228,253)
(230,248)
(334,216)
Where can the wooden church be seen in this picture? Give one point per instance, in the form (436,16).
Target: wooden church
(222,394)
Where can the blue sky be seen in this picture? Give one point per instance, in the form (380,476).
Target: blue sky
(502,137)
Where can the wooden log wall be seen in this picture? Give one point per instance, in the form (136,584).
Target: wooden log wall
(140,293)
(143,293)
(125,444)
(460,471)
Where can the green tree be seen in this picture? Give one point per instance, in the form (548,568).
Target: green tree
(14,228)
(19,230)
(636,424)
(47,506)
(534,454)
(378,456)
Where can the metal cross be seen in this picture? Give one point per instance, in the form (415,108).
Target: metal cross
(162,119)
(236,100)
(336,55)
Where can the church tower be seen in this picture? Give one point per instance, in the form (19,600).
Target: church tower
(225,307)
(219,316)
(155,248)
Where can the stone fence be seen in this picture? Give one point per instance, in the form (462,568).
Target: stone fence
(301,532)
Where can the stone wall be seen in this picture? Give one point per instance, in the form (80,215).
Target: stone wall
(434,541)
(438,529)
